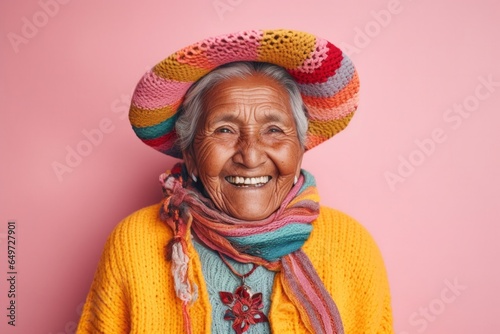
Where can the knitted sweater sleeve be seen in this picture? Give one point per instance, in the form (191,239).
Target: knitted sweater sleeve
(106,306)
(350,264)
(132,291)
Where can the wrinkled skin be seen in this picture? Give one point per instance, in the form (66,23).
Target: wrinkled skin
(247,130)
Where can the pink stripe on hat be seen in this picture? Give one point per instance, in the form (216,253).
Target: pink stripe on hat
(154,92)
(316,58)
(216,51)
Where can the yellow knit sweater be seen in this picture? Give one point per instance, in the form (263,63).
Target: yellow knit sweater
(132,290)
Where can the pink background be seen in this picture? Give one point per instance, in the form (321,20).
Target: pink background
(437,223)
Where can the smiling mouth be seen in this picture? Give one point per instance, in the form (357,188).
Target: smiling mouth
(241,181)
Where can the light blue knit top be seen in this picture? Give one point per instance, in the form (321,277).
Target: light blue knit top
(219,277)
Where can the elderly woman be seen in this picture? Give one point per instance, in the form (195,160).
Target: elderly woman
(240,243)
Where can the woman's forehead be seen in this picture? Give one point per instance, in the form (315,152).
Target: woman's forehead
(256,89)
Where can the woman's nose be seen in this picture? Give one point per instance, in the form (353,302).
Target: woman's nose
(249,152)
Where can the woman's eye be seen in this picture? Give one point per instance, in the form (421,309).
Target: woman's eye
(275,130)
(223,130)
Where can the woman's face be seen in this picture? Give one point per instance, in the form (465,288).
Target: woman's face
(246,151)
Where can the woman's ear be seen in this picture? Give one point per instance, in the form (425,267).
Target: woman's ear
(299,165)
(190,161)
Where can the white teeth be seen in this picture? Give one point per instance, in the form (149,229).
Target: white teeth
(239,180)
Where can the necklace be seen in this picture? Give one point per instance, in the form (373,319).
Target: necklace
(244,306)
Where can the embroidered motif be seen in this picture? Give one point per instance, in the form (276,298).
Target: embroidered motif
(245,308)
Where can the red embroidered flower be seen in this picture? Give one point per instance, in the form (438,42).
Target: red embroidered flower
(244,308)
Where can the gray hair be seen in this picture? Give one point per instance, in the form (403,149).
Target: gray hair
(192,107)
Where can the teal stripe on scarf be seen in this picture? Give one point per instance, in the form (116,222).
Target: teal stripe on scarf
(275,244)
(308,181)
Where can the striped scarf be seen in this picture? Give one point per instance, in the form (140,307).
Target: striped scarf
(274,242)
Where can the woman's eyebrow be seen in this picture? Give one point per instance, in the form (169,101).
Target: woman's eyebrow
(276,116)
(224,117)
(270,116)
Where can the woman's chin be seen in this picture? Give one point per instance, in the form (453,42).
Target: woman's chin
(250,207)
(250,215)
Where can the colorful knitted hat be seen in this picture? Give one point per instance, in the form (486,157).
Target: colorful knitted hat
(326,78)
